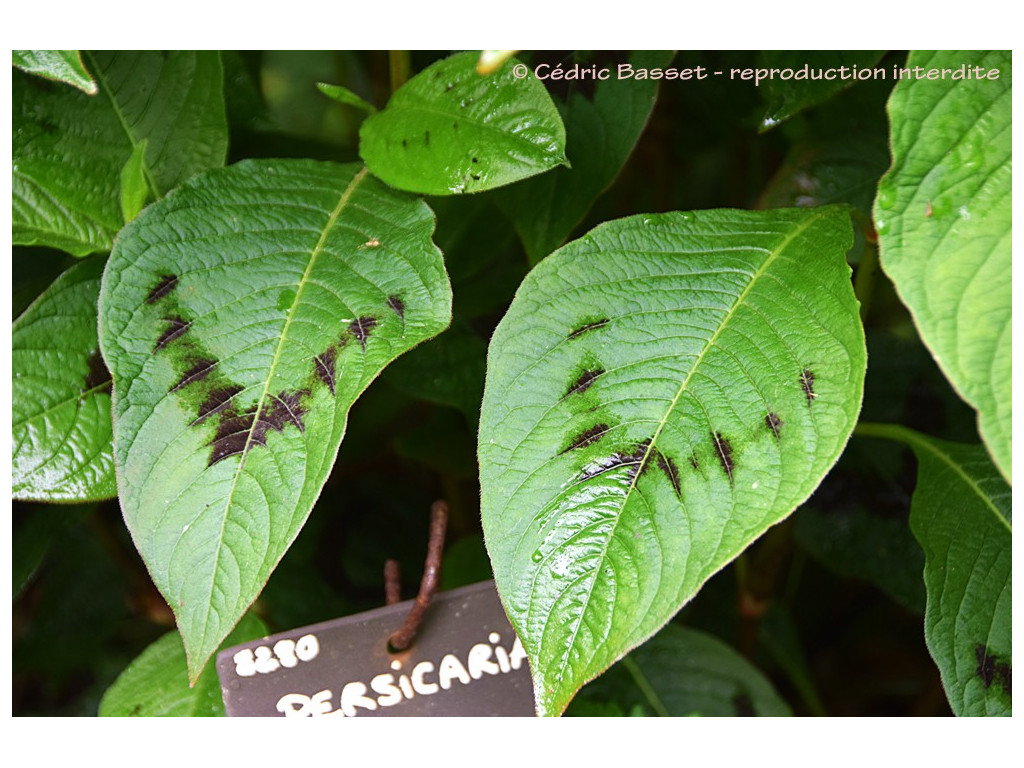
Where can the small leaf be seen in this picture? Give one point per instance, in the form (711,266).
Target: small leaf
(62,448)
(343,95)
(790,93)
(62,66)
(69,149)
(134,189)
(241,317)
(156,683)
(450,130)
(960,514)
(682,672)
(601,133)
(660,392)
(943,216)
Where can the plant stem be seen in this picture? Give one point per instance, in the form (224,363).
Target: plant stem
(864,280)
(398,64)
(645,687)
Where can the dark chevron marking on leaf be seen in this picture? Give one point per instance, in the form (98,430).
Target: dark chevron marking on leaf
(724,450)
(990,669)
(165,286)
(202,368)
(98,374)
(807,383)
(588,327)
(587,437)
(361,327)
(616,460)
(396,303)
(218,400)
(323,364)
(176,326)
(238,432)
(668,466)
(743,706)
(773,422)
(583,382)
(694,462)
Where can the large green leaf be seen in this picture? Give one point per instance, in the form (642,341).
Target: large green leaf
(241,317)
(661,391)
(601,133)
(450,130)
(156,684)
(961,515)
(62,440)
(62,66)
(943,218)
(683,672)
(69,149)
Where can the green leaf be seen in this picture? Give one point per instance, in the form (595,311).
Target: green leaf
(69,149)
(450,130)
(62,66)
(156,684)
(134,189)
(683,672)
(661,391)
(943,218)
(961,515)
(62,448)
(601,133)
(343,95)
(241,317)
(813,77)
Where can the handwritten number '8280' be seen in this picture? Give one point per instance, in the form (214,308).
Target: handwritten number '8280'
(285,653)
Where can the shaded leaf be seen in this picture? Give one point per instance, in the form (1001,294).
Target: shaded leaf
(961,515)
(661,391)
(134,189)
(62,66)
(62,449)
(241,317)
(343,95)
(814,76)
(451,130)
(156,684)
(601,132)
(69,149)
(943,218)
(683,672)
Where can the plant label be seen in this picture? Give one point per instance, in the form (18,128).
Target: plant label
(465,661)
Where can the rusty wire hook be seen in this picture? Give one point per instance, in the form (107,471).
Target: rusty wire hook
(403,637)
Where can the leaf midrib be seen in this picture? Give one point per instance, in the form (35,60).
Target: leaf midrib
(773,254)
(317,250)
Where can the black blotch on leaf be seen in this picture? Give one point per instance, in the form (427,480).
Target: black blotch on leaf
(666,465)
(238,431)
(631,462)
(476,160)
(583,382)
(990,669)
(773,422)
(217,400)
(405,144)
(323,365)
(724,450)
(426,138)
(165,286)
(360,328)
(742,705)
(176,326)
(587,437)
(807,384)
(475,176)
(396,303)
(588,327)
(694,462)
(199,370)
(97,374)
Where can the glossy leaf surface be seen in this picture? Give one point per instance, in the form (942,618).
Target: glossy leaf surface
(62,437)
(62,66)
(451,130)
(661,391)
(241,317)
(961,515)
(156,683)
(601,130)
(70,148)
(943,215)
(682,672)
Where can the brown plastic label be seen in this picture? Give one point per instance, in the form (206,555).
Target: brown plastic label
(465,661)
